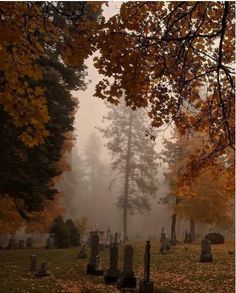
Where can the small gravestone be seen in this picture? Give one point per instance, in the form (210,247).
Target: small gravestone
(116,238)
(29,242)
(185,249)
(112,273)
(21,244)
(98,266)
(163,235)
(206,255)
(127,279)
(108,234)
(33,262)
(146,286)
(42,271)
(82,252)
(94,253)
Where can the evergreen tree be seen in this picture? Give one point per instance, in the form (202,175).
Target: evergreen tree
(133,159)
(73,232)
(61,233)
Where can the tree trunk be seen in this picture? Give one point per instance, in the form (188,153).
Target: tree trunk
(192,230)
(126,185)
(173,229)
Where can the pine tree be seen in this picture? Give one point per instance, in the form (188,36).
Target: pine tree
(133,160)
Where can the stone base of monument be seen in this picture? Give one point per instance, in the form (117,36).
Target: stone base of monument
(111,276)
(126,281)
(146,287)
(91,270)
(206,258)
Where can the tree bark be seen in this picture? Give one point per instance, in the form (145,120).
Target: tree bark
(192,230)
(173,229)
(126,185)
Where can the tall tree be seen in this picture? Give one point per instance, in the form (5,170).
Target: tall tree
(133,159)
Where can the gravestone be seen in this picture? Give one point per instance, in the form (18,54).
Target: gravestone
(206,255)
(12,244)
(165,242)
(29,242)
(146,286)
(42,271)
(33,262)
(98,266)
(21,244)
(94,252)
(112,273)
(50,242)
(82,252)
(127,279)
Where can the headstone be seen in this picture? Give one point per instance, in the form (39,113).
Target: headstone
(206,255)
(98,266)
(127,279)
(185,249)
(29,242)
(43,271)
(112,273)
(165,242)
(33,262)
(12,244)
(21,244)
(146,286)
(94,252)
(50,242)
(82,252)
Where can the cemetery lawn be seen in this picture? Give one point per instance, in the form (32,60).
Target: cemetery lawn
(173,272)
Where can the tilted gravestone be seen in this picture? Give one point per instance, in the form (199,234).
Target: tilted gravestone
(42,271)
(206,255)
(127,279)
(33,262)
(82,252)
(146,286)
(94,252)
(112,273)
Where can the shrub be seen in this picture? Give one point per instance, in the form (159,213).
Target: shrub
(215,238)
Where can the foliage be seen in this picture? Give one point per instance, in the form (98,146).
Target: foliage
(215,238)
(82,225)
(10,220)
(73,232)
(28,32)
(175,59)
(61,233)
(207,197)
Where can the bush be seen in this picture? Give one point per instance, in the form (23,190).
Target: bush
(215,238)
(61,233)
(73,232)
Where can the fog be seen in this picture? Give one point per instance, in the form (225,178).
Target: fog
(100,207)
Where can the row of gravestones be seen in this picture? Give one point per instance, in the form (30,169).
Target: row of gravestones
(124,278)
(13,244)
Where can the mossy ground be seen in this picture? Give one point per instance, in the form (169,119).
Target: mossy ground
(173,272)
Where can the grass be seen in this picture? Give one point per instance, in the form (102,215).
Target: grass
(173,272)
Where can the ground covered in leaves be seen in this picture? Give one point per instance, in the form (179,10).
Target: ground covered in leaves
(173,272)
